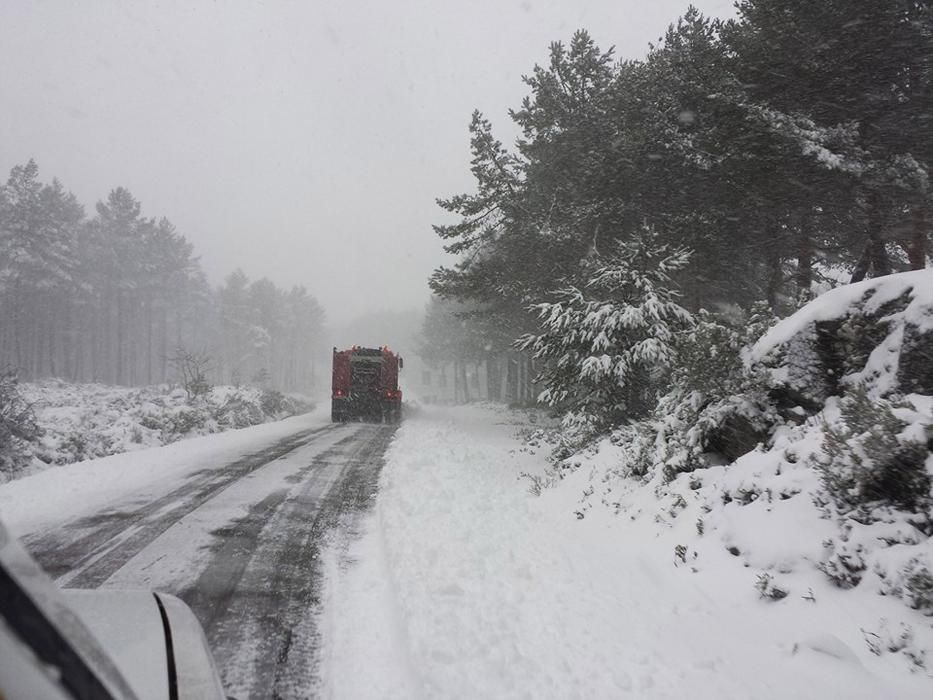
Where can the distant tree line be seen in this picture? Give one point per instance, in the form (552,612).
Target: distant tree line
(267,334)
(786,146)
(118,298)
(454,336)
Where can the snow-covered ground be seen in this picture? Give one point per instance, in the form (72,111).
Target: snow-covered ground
(62,493)
(463,584)
(88,421)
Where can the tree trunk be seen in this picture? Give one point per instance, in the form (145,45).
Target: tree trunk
(520,376)
(50,319)
(16,308)
(119,348)
(880,263)
(149,353)
(466,383)
(804,276)
(863,264)
(917,248)
(874,257)
(492,379)
(163,355)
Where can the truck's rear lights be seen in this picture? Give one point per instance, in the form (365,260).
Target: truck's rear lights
(338,394)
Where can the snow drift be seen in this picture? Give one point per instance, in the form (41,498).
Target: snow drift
(810,478)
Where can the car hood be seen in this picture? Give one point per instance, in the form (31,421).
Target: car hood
(154,640)
(129,626)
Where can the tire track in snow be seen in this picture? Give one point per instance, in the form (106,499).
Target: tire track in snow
(259,596)
(85,552)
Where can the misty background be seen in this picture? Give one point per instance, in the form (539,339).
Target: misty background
(304,142)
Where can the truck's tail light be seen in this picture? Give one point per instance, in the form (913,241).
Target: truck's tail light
(338,394)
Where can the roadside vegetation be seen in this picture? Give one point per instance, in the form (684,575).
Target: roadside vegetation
(639,244)
(54,422)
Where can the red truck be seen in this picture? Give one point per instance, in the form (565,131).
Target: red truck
(365,385)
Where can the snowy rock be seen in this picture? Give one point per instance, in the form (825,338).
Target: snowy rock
(735,436)
(876,332)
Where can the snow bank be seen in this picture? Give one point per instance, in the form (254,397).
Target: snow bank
(61,493)
(828,504)
(87,421)
(466,585)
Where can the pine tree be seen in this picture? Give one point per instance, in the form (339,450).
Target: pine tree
(848,81)
(608,346)
(533,217)
(118,233)
(38,225)
(235,323)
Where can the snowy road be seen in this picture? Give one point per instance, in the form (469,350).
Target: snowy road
(239,541)
(459,581)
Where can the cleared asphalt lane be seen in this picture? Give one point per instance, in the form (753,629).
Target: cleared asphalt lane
(240,544)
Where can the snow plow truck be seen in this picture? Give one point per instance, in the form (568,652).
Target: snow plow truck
(365,385)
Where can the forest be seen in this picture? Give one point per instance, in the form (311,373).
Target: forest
(742,165)
(121,298)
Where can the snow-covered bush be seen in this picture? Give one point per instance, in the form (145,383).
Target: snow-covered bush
(802,455)
(18,426)
(845,564)
(915,365)
(239,408)
(273,402)
(769,589)
(88,421)
(918,586)
(709,355)
(715,409)
(607,347)
(867,462)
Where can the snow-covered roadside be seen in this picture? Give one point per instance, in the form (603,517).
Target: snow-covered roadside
(87,421)
(58,494)
(465,585)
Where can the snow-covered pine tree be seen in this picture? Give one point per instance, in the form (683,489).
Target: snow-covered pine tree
(608,346)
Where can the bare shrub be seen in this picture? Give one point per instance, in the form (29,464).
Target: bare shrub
(192,369)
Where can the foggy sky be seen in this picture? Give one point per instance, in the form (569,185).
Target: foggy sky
(305,141)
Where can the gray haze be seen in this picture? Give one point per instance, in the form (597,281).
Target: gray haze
(302,141)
